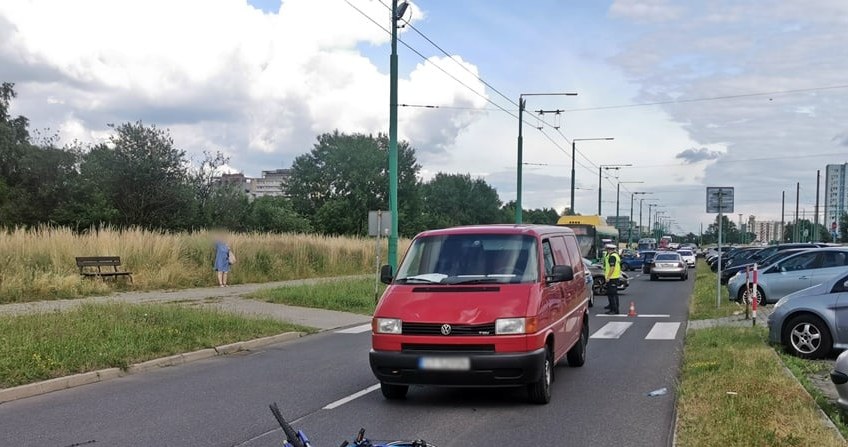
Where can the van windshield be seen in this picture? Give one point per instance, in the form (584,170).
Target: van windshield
(470,258)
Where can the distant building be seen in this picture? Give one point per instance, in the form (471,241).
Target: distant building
(767,231)
(623,224)
(835,193)
(273,183)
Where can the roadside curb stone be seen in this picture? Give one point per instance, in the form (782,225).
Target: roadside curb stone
(101,375)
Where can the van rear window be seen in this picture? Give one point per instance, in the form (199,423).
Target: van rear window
(470,259)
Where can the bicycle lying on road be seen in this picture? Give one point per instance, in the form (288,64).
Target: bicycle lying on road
(299,439)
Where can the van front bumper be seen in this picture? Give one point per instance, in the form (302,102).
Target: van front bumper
(486,369)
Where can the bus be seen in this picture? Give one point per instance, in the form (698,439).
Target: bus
(665,242)
(646,243)
(592,232)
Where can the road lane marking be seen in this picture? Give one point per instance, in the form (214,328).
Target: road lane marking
(612,330)
(352,397)
(356,329)
(639,315)
(663,331)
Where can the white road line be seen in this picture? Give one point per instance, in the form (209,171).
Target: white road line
(639,315)
(612,330)
(610,315)
(353,396)
(663,331)
(355,329)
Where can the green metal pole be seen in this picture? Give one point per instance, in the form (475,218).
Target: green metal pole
(518,209)
(393,149)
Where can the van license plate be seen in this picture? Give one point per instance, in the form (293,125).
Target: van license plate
(445,363)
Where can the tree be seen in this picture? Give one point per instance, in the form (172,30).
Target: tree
(541,216)
(843,227)
(458,199)
(346,175)
(144,177)
(729,232)
(275,215)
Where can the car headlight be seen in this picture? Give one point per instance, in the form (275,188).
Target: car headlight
(387,326)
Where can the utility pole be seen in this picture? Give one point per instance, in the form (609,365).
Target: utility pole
(397,13)
(601,170)
(795,232)
(739,239)
(816,231)
(573,173)
(518,186)
(630,222)
(782,217)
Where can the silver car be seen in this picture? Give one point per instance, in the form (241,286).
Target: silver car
(839,377)
(791,274)
(669,263)
(813,321)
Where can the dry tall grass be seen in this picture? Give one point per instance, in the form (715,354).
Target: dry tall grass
(39,264)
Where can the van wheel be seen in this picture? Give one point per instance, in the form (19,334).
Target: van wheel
(540,392)
(577,354)
(393,392)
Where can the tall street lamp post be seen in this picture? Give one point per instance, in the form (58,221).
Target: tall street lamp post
(601,170)
(617,201)
(398,11)
(521,104)
(630,224)
(642,229)
(573,155)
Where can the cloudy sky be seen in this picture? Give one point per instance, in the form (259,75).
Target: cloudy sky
(725,93)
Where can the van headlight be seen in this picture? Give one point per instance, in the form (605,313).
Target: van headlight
(510,326)
(387,326)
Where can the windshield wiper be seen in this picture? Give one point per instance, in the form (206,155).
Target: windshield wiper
(413,279)
(472,280)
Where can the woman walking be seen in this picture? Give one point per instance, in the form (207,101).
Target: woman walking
(223,259)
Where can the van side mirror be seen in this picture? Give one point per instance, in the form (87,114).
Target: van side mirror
(561,273)
(386,274)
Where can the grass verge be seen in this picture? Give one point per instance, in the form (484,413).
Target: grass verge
(95,336)
(355,296)
(804,371)
(734,392)
(703,304)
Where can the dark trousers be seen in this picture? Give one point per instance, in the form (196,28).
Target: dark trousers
(612,294)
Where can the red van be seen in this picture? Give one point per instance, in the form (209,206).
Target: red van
(490,306)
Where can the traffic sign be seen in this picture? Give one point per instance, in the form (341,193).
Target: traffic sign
(719,199)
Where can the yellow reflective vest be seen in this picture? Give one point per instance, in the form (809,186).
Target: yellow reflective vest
(612,272)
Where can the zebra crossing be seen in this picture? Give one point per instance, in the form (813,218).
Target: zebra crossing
(616,329)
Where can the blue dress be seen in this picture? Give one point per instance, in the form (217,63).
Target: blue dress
(222,257)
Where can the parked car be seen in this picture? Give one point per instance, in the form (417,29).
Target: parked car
(793,273)
(669,263)
(812,322)
(729,272)
(495,305)
(839,377)
(598,278)
(733,257)
(768,251)
(688,257)
(647,261)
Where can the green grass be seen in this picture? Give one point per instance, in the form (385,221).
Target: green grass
(356,296)
(703,304)
(768,407)
(803,370)
(95,336)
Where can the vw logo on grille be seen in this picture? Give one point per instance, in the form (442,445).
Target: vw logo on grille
(446,329)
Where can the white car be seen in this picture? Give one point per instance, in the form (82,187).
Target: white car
(688,257)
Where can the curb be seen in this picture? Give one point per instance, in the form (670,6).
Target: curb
(101,375)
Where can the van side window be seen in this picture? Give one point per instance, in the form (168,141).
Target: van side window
(548,254)
(573,250)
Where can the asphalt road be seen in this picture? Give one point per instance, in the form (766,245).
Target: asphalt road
(224,401)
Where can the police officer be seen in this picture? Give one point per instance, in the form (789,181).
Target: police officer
(612,273)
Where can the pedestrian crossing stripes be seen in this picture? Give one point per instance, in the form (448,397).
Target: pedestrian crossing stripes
(356,329)
(616,329)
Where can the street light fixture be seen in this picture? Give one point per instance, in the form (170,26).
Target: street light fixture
(397,14)
(573,173)
(617,197)
(601,170)
(521,104)
(630,223)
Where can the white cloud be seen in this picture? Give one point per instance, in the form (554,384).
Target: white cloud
(219,74)
(644,10)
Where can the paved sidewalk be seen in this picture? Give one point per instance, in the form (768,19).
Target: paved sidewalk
(229,299)
(733,320)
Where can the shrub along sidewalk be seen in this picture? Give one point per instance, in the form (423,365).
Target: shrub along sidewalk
(95,336)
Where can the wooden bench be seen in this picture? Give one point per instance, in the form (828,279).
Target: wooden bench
(101,267)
